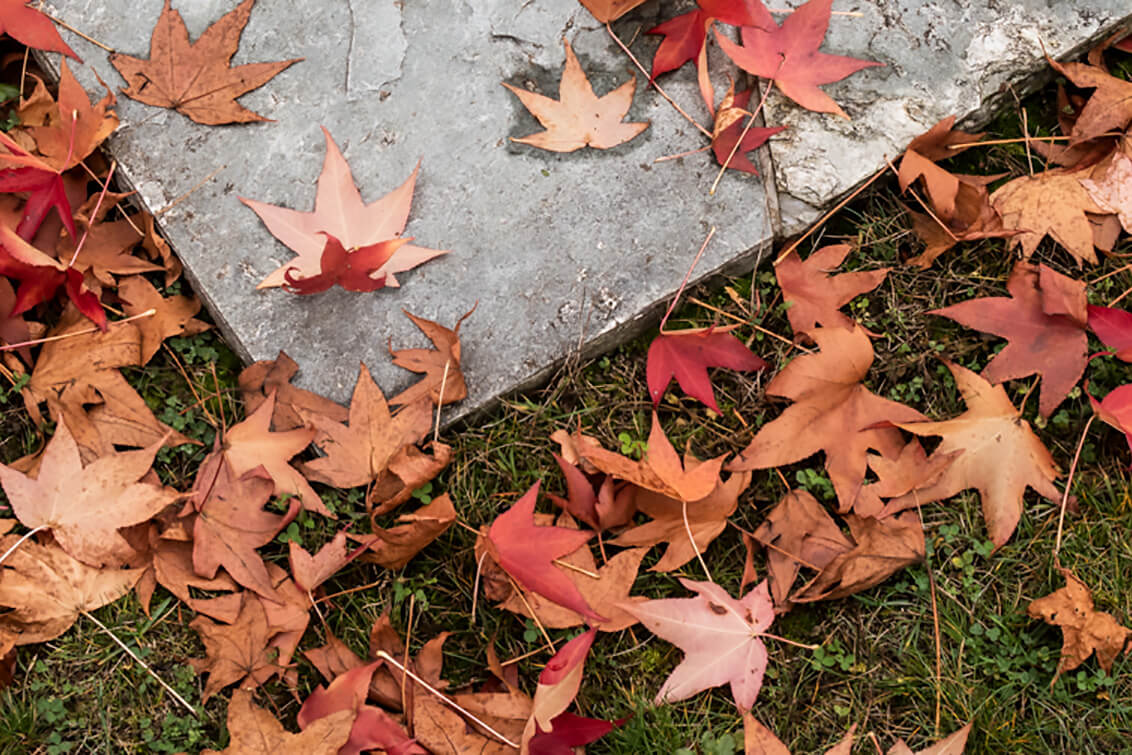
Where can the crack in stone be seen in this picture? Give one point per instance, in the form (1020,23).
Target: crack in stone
(350,44)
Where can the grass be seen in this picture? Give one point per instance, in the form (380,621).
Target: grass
(876,665)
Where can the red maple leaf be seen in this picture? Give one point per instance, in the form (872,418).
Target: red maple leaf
(687,355)
(1114,327)
(40,277)
(526,552)
(789,55)
(1043,339)
(353,270)
(26,172)
(570,731)
(30,27)
(723,141)
(684,35)
(1115,410)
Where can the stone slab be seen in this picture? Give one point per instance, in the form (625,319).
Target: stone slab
(559,250)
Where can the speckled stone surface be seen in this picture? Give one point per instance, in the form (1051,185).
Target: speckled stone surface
(561,251)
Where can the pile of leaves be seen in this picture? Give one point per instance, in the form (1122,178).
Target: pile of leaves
(90,521)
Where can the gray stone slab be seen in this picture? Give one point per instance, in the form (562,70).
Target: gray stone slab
(559,250)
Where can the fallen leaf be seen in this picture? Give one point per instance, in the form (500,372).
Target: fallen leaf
(29,26)
(579,118)
(85,507)
(1114,327)
(831,412)
(910,470)
(311,571)
(392,548)
(1054,346)
(686,355)
(77,128)
(1000,457)
(173,316)
(558,685)
(684,35)
(1053,202)
(443,380)
(359,453)
(40,276)
(940,142)
(173,570)
(107,251)
(813,296)
(975,218)
(1110,106)
(254,731)
(409,469)
(1113,190)
(47,590)
(231,523)
(661,470)
(23,171)
(570,731)
(1084,629)
(789,55)
(611,505)
(728,129)
(352,269)
(719,636)
(373,728)
(262,378)
(340,213)
(1115,410)
(953,744)
(798,532)
(251,444)
(881,548)
(334,658)
(706,518)
(527,553)
(609,10)
(235,652)
(759,740)
(194,78)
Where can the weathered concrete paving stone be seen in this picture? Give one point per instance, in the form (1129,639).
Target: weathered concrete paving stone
(557,249)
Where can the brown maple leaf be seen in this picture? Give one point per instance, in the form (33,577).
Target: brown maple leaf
(831,412)
(1054,203)
(311,571)
(254,731)
(579,118)
(940,142)
(974,218)
(1000,456)
(173,316)
(1113,189)
(798,532)
(441,365)
(358,453)
(194,78)
(1085,630)
(813,296)
(106,251)
(251,444)
(173,570)
(881,547)
(260,379)
(235,652)
(1051,344)
(231,523)
(47,590)
(392,548)
(1110,106)
(610,10)
(73,128)
(706,518)
(84,507)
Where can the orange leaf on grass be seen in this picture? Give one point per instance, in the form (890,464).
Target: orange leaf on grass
(1085,630)
(813,296)
(940,142)
(1053,203)
(579,118)
(311,571)
(260,379)
(1110,106)
(394,547)
(236,652)
(195,78)
(798,532)
(610,505)
(340,213)
(173,316)
(254,731)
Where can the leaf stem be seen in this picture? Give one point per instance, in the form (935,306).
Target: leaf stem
(1065,493)
(20,542)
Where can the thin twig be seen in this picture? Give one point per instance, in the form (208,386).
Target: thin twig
(73,30)
(687,275)
(1065,493)
(444,698)
(692,539)
(935,626)
(992,142)
(185,196)
(20,542)
(440,400)
(340,593)
(476,585)
(803,645)
(405,656)
(851,13)
(656,86)
(759,328)
(1117,271)
(572,567)
(836,208)
(665,158)
(64,336)
(141,663)
(522,657)
(93,215)
(923,204)
(534,616)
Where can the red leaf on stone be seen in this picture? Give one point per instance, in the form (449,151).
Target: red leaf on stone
(687,355)
(723,141)
(1114,327)
(30,27)
(789,55)
(526,552)
(684,35)
(353,270)
(1052,345)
